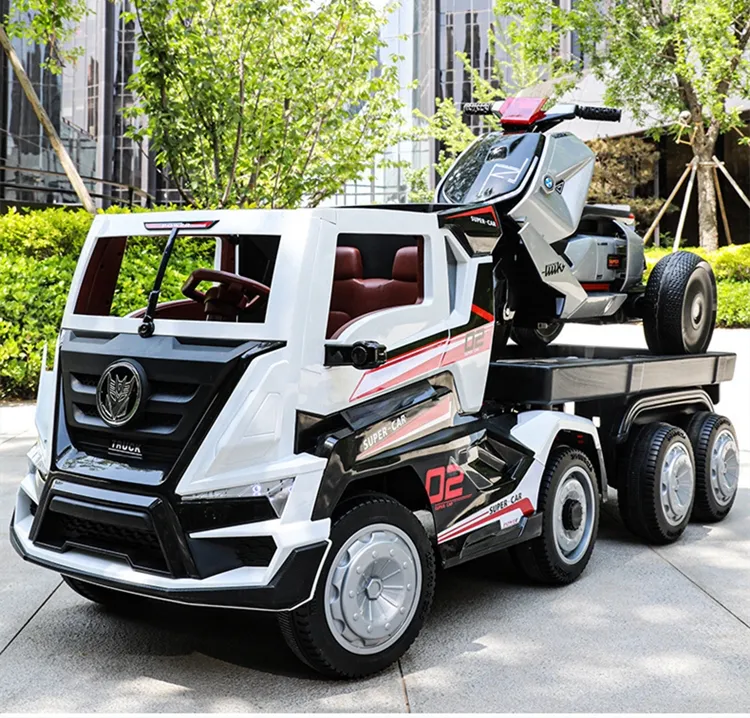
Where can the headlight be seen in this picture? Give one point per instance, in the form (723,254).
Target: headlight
(37,461)
(277,492)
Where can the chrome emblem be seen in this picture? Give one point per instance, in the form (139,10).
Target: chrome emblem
(119,393)
(548,183)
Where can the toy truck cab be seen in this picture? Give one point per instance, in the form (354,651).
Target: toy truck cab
(299,413)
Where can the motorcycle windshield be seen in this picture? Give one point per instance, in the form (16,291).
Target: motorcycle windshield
(495,165)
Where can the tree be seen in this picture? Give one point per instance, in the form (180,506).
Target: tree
(51,23)
(273,103)
(523,51)
(659,58)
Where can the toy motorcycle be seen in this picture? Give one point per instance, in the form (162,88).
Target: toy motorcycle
(559,259)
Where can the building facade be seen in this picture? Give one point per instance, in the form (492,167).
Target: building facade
(85,103)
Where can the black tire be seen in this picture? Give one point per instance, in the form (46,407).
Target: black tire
(680,305)
(639,490)
(307,630)
(542,558)
(100,594)
(536,338)
(715,491)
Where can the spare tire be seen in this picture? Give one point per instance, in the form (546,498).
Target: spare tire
(680,305)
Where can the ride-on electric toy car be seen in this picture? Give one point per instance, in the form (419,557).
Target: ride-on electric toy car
(321,426)
(560,260)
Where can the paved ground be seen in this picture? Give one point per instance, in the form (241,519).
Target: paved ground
(643,630)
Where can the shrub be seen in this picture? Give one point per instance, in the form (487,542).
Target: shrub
(729,263)
(43,233)
(38,255)
(734,304)
(32,299)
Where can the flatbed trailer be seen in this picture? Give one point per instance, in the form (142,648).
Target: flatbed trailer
(562,373)
(620,389)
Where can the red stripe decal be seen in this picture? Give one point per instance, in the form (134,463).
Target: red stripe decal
(524,504)
(482,313)
(474,212)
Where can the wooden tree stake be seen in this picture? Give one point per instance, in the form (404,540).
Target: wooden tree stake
(685,205)
(666,204)
(721,206)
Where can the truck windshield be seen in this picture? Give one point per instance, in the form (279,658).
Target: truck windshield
(493,166)
(121,273)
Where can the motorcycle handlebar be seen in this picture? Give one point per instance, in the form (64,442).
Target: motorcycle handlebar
(604,114)
(477,108)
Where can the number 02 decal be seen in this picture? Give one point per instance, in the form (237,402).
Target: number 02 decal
(445,485)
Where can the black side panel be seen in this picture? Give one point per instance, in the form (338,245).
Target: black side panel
(462,469)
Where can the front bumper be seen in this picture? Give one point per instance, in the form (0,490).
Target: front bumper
(287,581)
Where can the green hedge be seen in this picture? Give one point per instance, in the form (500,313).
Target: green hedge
(38,254)
(729,263)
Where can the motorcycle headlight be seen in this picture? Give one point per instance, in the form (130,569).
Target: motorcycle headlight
(277,492)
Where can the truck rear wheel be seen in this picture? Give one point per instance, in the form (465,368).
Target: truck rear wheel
(373,594)
(537,337)
(680,305)
(717,468)
(569,501)
(657,487)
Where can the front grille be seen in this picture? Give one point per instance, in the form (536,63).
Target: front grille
(141,547)
(185,381)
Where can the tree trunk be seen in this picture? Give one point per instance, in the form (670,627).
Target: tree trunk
(708,225)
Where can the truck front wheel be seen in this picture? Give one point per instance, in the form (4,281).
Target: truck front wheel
(569,501)
(373,593)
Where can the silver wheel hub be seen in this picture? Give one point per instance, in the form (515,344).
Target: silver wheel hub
(677,483)
(725,469)
(696,311)
(373,589)
(573,517)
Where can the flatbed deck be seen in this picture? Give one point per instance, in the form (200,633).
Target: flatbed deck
(567,373)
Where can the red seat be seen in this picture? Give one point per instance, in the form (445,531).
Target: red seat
(404,287)
(352,296)
(346,275)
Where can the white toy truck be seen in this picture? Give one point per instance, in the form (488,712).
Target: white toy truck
(320,423)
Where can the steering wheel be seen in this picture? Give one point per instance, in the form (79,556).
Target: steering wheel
(232,295)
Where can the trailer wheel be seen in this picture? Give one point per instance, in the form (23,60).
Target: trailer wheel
(373,594)
(537,337)
(680,305)
(717,469)
(569,501)
(657,488)
(101,594)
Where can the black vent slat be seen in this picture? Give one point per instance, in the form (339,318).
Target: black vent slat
(142,548)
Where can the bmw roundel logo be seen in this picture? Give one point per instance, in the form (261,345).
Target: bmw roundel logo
(548,182)
(120,392)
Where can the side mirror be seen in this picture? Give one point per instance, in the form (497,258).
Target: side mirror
(360,355)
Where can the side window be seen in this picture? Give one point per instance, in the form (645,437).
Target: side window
(374,272)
